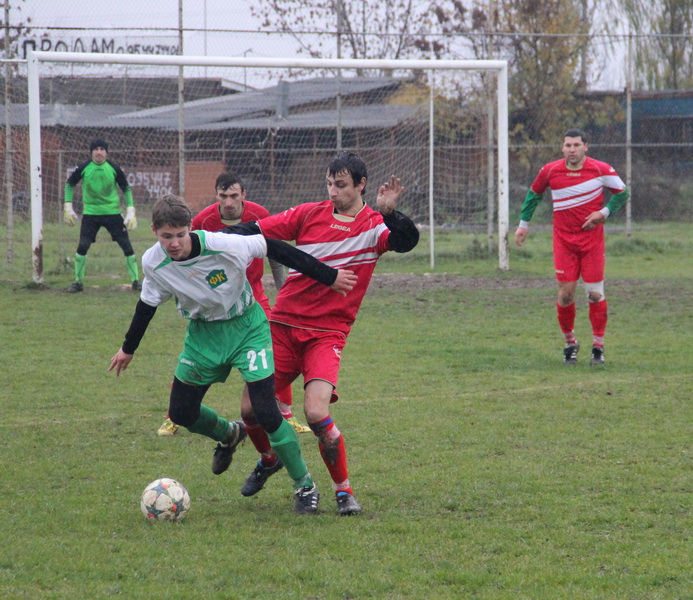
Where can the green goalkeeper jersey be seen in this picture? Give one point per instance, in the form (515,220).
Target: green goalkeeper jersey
(100,185)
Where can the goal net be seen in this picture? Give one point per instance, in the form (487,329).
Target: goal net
(173,123)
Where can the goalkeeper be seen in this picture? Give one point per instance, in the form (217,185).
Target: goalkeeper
(100,179)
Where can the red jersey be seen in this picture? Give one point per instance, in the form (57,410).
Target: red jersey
(576,194)
(209,219)
(343,242)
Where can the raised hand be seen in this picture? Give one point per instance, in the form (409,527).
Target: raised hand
(388,194)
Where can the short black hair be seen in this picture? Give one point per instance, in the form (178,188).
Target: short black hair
(227,179)
(576,133)
(171,210)
(352,163)
(98,143)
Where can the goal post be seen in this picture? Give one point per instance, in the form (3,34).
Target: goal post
(420,128)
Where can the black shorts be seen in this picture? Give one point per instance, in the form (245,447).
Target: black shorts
(114,224)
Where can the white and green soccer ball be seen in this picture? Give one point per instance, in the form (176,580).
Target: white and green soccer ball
(165,500)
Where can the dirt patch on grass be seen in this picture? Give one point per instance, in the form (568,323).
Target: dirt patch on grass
(428,281)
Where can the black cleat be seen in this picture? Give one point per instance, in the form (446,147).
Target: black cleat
(347,505)
(306,500)
(570,353)
(257,479)
(136,286)
(597,358)
(223,455)
(75,286)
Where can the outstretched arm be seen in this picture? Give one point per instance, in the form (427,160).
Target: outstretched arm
(140,321)
(339,280)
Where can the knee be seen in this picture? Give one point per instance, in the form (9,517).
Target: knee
(182,414)
(595,291)
(566,297)
(264,405)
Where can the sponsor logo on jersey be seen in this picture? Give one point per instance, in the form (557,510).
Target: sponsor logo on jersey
(337,351)
(216,278)
(574,174)
(340,227)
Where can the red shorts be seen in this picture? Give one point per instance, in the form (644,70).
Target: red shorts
(579,255)
(313,354)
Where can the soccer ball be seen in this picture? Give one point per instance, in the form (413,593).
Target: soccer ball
(165,500)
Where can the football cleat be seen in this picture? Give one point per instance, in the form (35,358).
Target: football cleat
(347,505)
(570,353)
(75,286)
(597,356)
(306,502)
(298,427)
(223,455)
(257,479)
(136,286)
(168,427)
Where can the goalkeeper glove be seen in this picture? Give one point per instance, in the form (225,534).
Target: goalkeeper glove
(130,220)
(69,215)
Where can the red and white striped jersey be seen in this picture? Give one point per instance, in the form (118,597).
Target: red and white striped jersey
(576,194)
(343,242)
(209,219)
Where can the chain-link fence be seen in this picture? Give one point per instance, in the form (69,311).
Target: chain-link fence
(646,135)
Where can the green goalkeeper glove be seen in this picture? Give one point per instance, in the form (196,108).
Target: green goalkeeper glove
(130,219)
(69,215)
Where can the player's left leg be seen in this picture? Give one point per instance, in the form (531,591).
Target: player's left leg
(330,442)
(593,277)
(255,361)
(119,234)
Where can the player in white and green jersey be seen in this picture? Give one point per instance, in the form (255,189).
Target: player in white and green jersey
(206,274)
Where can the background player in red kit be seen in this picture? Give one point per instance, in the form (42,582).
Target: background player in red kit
(232,207)
(309,328)
(577,183)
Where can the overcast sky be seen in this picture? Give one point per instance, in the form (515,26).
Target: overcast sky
(226,14)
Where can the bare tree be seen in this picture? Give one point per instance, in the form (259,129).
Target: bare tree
(663,31)
(348,28)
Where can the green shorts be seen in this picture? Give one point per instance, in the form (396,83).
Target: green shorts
(212,348)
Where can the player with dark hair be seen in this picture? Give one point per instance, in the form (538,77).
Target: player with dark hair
(205,273)
(577,185)
(310,327)
(232,207)
(101,179)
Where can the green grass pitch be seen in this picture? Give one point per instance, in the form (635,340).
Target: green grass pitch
(486,469)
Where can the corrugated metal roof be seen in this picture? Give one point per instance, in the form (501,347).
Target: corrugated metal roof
(66,115)
(355,117)
(256,104)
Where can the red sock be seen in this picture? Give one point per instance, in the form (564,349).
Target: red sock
(333,452)
(598,317)
(566,321)
(261,442)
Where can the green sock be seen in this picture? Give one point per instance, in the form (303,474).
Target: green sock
(131,263)
(210,424)
(285,443)
(79,267)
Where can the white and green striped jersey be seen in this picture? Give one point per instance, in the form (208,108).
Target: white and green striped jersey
(210,287)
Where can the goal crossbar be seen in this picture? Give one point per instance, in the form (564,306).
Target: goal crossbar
(500,67)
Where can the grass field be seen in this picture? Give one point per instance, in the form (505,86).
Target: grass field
(486,469)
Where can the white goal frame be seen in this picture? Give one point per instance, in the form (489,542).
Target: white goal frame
(500,67)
